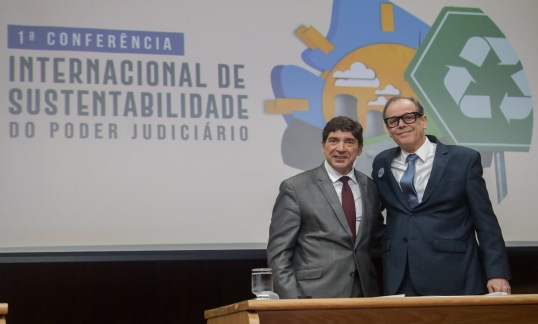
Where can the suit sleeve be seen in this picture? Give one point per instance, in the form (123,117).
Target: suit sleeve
(485,223)
(283,232)
(379,232)
(378,228)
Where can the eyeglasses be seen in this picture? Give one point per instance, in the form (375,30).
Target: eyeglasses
(408,118)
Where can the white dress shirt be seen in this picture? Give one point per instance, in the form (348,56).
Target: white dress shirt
(423,166)
(355,189)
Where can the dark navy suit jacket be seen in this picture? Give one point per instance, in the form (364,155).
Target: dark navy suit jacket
(437,238)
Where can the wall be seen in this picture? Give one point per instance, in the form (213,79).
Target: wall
(157,292)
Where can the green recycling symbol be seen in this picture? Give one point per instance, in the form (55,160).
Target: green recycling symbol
(458,79)
(473,86)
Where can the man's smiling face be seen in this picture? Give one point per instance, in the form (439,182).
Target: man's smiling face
(341,149)
(409,137)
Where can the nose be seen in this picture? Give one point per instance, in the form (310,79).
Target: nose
(340,146)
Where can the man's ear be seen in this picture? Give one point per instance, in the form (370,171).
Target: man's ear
(360,149)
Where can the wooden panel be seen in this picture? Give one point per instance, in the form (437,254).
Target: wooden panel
(3,311)
(235,318)
(382,303)
(459,314)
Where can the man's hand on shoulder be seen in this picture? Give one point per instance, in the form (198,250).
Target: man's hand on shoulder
(499,285)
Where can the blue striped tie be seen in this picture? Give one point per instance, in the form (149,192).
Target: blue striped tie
(406,183)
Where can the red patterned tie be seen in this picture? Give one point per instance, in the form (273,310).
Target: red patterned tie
(348,203)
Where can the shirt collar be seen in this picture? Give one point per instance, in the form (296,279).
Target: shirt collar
(422,152)
(335,175)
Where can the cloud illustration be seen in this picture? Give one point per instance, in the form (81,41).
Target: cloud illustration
(369,83)
(389,90)
(357,71)
(381,101)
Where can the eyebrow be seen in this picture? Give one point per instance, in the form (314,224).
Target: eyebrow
(403,114)
(345,139)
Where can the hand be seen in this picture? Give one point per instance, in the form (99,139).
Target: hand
(499,284)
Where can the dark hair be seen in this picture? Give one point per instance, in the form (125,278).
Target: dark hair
(415,101)
(344,124)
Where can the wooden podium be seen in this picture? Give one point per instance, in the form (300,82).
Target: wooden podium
(455,309)
(3,313)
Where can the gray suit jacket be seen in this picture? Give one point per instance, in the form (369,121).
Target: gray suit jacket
(310,245)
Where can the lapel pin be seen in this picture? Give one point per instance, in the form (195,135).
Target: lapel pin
(380,173)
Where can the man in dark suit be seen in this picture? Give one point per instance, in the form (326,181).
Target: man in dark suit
(437,206)
(323,226)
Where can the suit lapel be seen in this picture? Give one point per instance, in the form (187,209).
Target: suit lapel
(327,187)
(438,168)
(392,182)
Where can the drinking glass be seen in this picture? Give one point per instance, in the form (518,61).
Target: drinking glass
(262,283)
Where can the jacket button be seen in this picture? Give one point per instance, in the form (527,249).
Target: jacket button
(405,239)
(411,216)
(352,274)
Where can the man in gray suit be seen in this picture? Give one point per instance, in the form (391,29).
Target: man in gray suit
(323,227)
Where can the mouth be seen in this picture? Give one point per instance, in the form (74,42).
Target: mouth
(339,157)
(404,132)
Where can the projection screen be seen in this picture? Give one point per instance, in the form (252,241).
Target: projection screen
(169,125)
